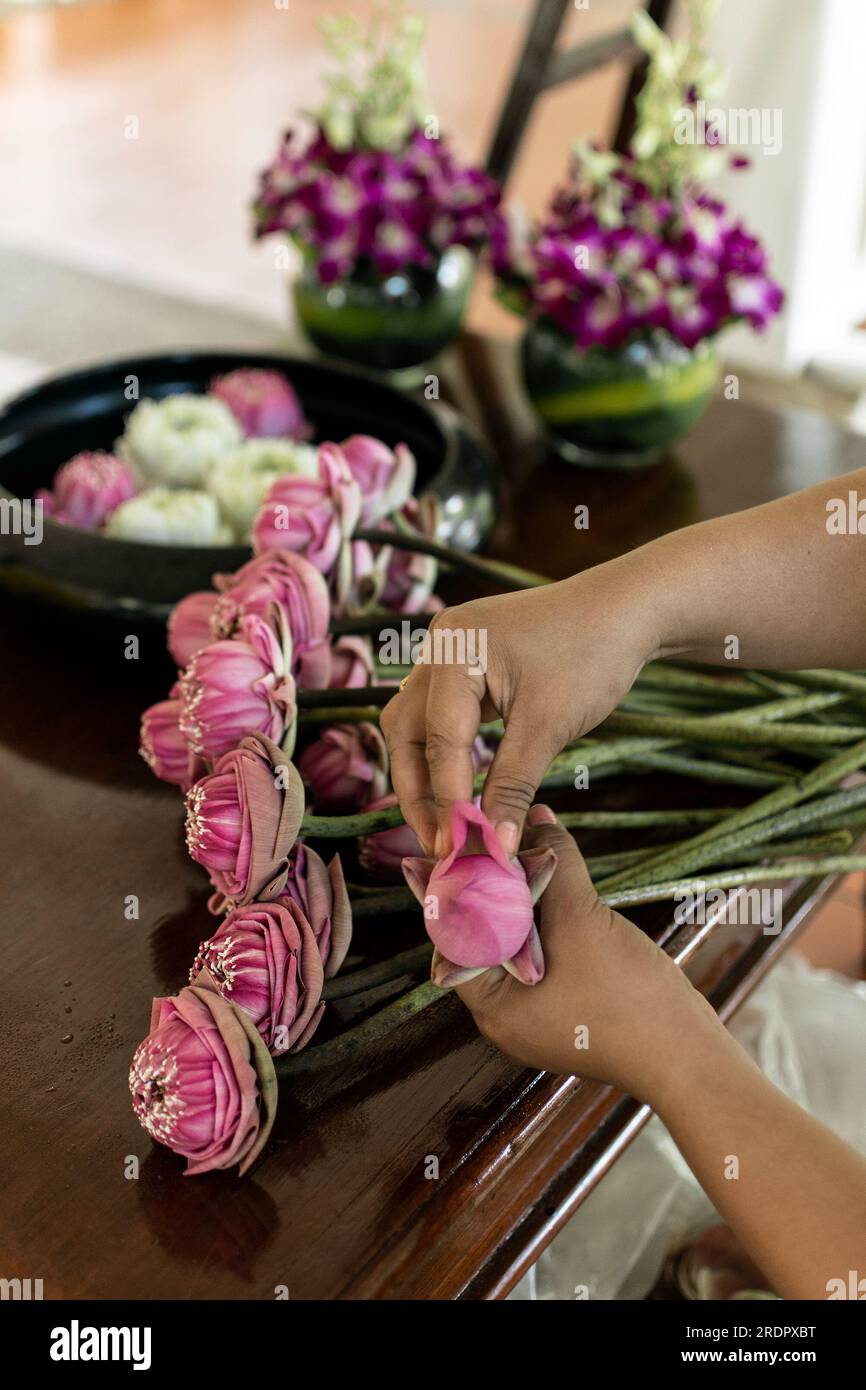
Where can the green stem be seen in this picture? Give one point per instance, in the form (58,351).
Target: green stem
(630,820)
(347,1045)
(348,827)
(510,576)
(734,878)
(659,673)
(340,700)
(762,834)
(707,769)
(373,620)
(826,774)
(394,899)
(382,973)
(341,714)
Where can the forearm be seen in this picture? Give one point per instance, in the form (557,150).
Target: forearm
(794,1192)
(790,590)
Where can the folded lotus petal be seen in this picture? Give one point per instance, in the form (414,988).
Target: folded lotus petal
(351,664)
(446,974)
(417,873)
(528,964)
(468,822)
(322,896)
(341,918)
(381,855)
(270,848)
(266,1076)
(189,626)
(538,865)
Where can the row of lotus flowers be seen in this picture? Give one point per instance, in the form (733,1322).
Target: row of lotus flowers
(203,1081)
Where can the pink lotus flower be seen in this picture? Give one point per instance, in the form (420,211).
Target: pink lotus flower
(238,687)
(203,1082)
(88,488)
(313,517)
(264,958)
(263,402)
(320,893)
(351,663)
(409,578)
(357,579)
(381,855)
(347,767)
(478,902)
(279,576)
(163,746)
(242,820)
(189,626)
(386,476)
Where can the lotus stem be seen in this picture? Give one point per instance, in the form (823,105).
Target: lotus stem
(630,820)
(341,714)
(382,973)
(826,774)
(357,696)
(707,769)
(347,1045)
(509,576)
(373,620)
(734,878)
(396,899)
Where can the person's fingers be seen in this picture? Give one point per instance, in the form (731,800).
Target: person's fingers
(454,700)
(404,725)
(521,760)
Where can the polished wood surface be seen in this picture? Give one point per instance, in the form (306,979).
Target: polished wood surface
(340,1204)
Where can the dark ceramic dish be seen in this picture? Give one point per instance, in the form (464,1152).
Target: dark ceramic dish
(44,427)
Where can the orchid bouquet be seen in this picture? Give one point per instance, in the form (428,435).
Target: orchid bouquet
(374,189)
(271,731)
(633,244)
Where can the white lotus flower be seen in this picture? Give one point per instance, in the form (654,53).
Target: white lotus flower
(169,516)
(241,479)
(178,440)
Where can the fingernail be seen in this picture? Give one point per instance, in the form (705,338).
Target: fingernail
(541,815)
(439,845)
(508,835)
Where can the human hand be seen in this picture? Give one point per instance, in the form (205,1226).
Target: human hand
(557,661)
(612,1006)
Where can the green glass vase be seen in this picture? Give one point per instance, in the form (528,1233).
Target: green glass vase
(394,324)
(616,408)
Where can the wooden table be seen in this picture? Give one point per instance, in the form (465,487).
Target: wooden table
(339,1206)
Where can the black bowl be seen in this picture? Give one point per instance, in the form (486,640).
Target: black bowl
(44,427)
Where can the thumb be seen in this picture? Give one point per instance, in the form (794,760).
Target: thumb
(521,760)
(570,898)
